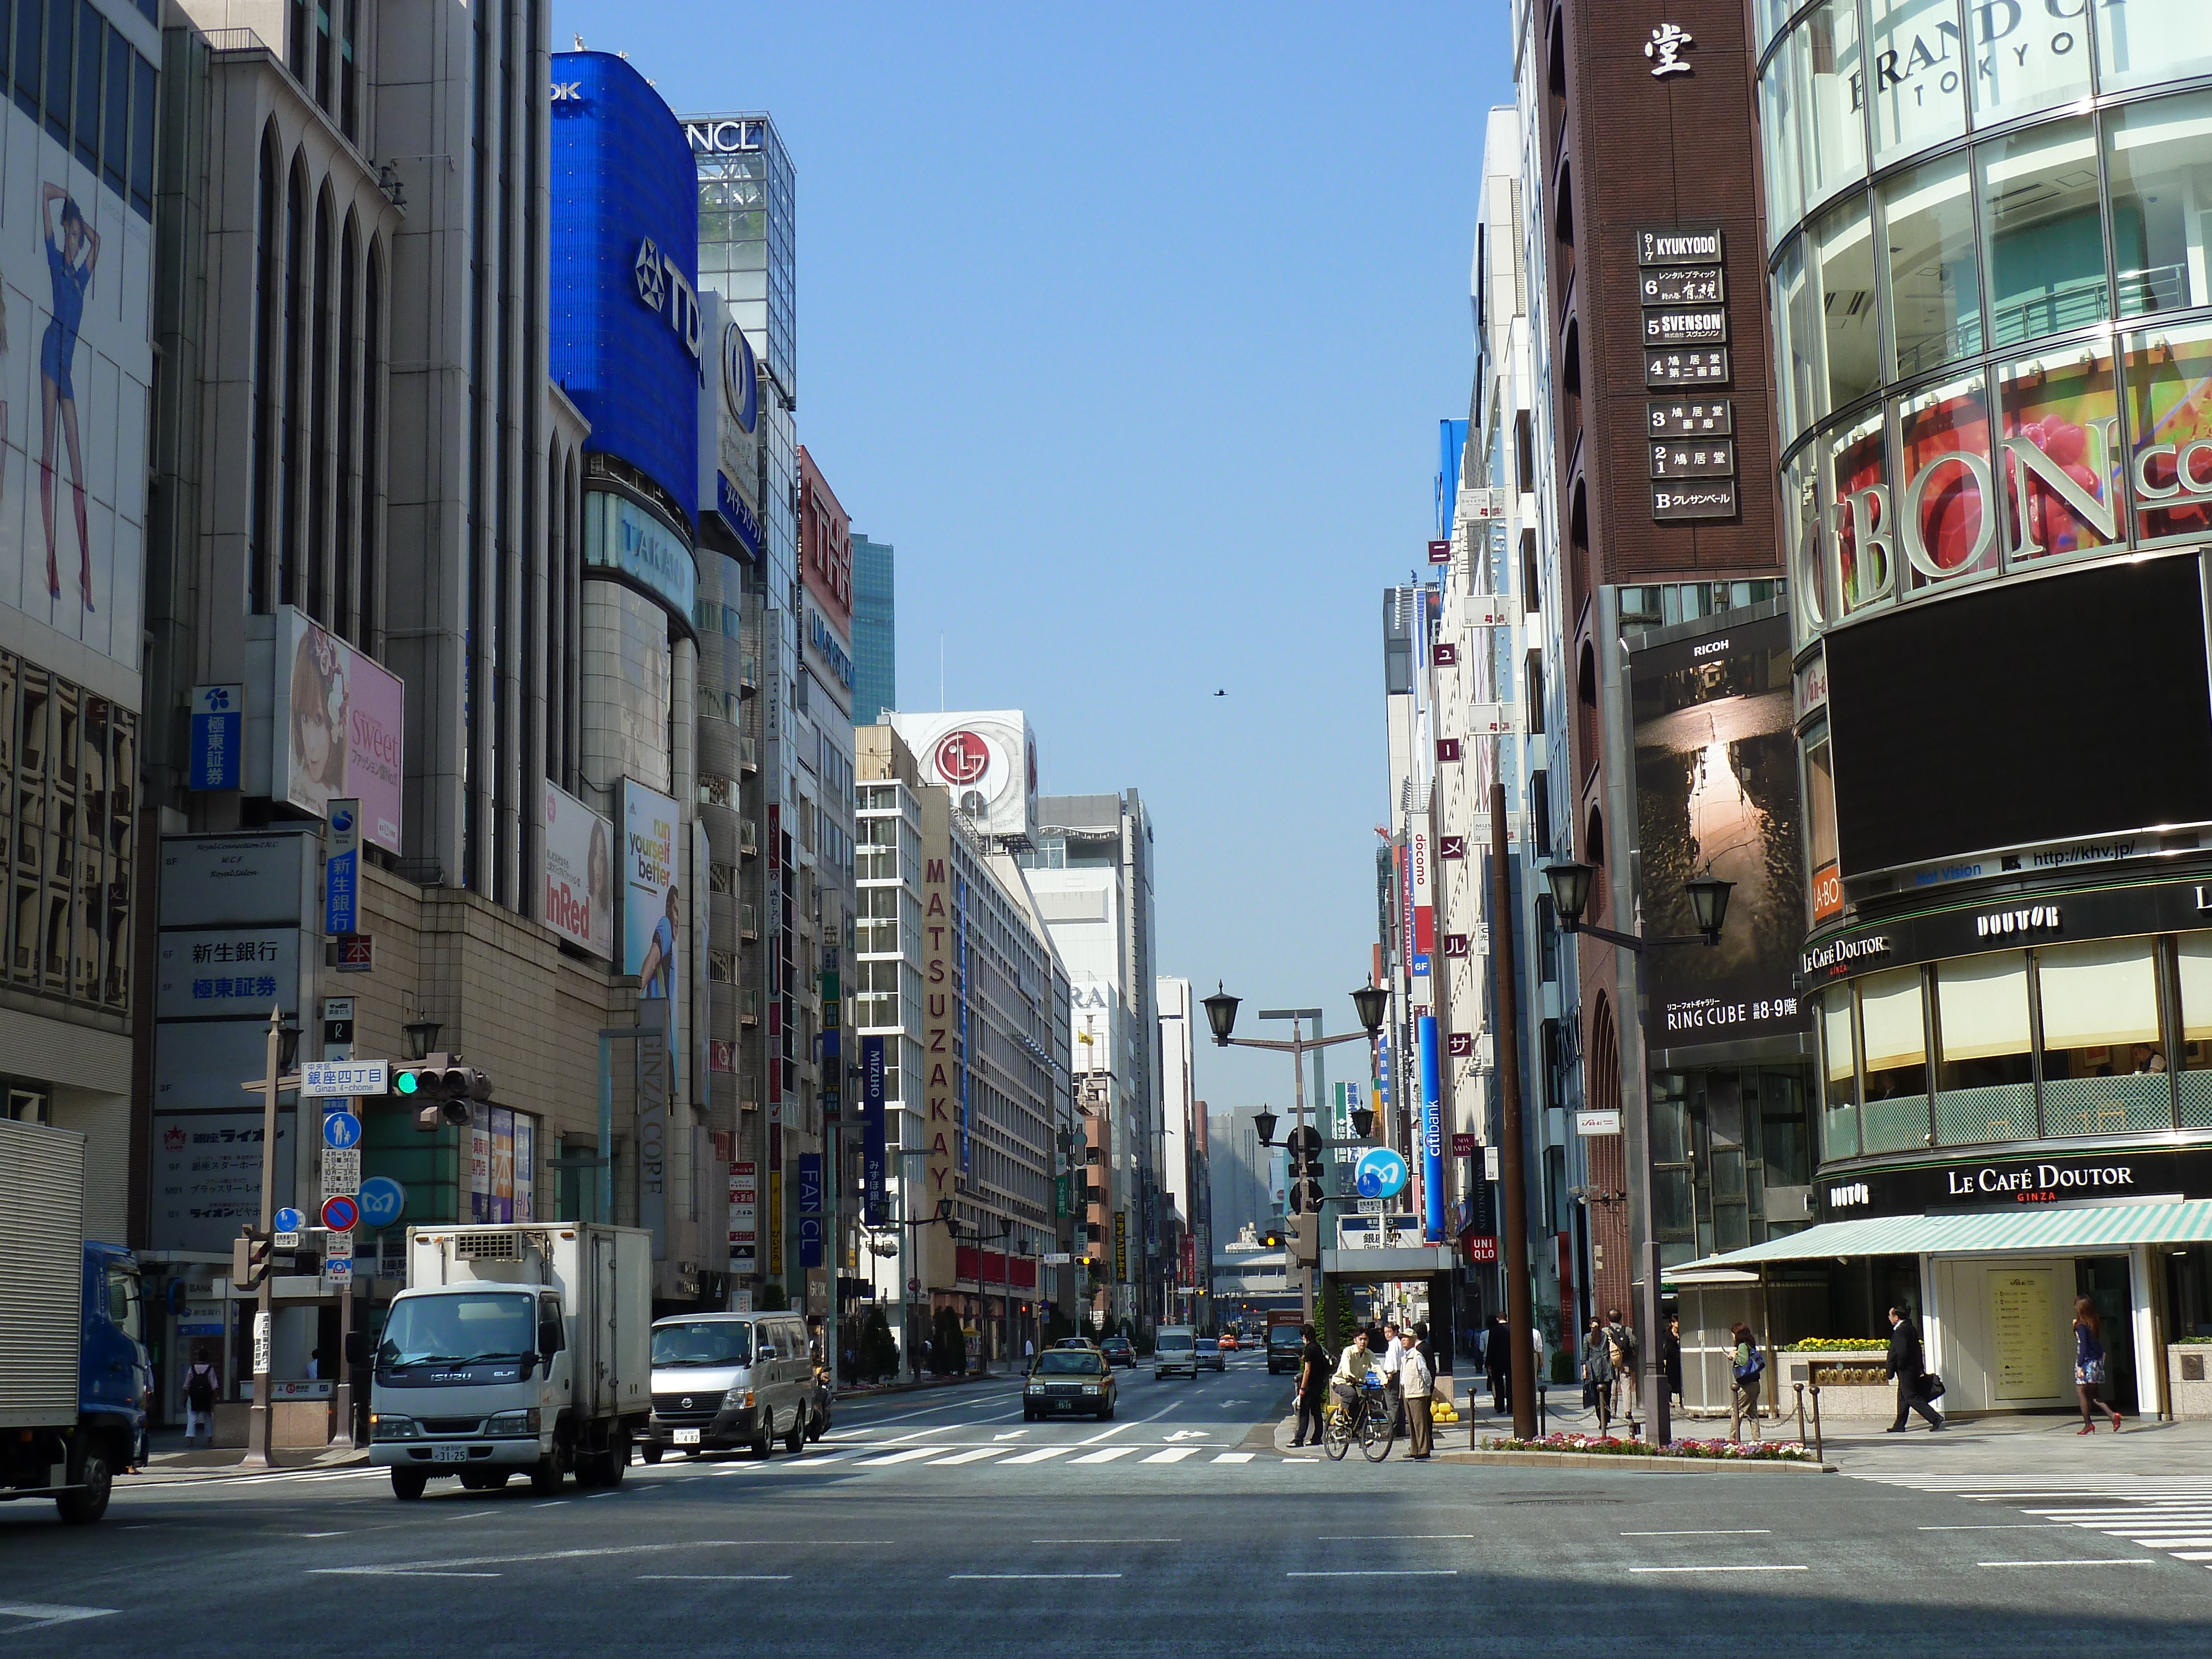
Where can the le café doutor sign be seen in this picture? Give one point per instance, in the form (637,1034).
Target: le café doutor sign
(2014,1183)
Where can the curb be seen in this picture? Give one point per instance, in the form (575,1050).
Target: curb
(1630,1462)
(157,1476)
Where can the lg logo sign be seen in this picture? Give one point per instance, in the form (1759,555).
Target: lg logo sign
(664,292)
(962,757)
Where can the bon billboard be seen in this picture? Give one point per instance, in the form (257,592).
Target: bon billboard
(626,323)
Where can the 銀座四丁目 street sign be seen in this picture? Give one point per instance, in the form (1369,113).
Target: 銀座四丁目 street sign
(340,1078)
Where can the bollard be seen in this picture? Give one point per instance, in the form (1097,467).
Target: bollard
(1819,1456)
(1543,1406)
(1800,1413)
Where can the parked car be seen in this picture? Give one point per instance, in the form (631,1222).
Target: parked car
(1069,1382)
(1119,1350)
(1209,1355)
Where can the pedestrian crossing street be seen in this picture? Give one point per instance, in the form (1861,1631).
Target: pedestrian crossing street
(2169,1513)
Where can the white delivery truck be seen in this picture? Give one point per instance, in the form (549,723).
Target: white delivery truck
(515,1348)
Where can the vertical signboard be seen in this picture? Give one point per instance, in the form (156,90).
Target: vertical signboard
(810,1210)
(744,1223)
(653,900)
(502,1164)
(218,726)
(1432,1133)
(1121,1245)
(342,868)
(874,1140)
(479,1162)
(340,728)
(654,1093)
(579,873)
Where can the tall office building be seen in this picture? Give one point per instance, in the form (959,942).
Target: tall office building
(875,631)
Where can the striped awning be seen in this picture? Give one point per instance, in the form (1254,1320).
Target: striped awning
(2185,1221)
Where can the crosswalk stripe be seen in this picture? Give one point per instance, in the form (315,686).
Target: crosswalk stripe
(906,1457)
(1105,1454)
(975,1456)
(1174,1455)
(2166,1513)
(1041,1454)
(1233,1457)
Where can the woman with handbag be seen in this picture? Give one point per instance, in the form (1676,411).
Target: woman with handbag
(1746,1367)
(2089,1364)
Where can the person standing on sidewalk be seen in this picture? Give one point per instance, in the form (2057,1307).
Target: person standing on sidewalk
(1746,1368)
(1393,1361)
(2089,1362)
(1670,1357)
(1415,1379)
(1597,1374)
(1620,1350)
(1906,1364)
(203,1387)
(1498,1360)
(1313,1388)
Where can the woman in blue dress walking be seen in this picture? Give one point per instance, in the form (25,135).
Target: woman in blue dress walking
(69,261)
(2089,1364)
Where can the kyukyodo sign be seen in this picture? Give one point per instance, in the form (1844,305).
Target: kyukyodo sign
(2004,471)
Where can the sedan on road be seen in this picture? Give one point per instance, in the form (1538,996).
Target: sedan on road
(1228,1342)
(1068,1382)
(1119,1351)
(1209,1356)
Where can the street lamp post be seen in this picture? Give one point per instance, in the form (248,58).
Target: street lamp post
(1372,1003)
(283,1044)
(1709,899)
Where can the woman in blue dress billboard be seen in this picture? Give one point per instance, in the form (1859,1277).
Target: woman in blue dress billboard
(69,261)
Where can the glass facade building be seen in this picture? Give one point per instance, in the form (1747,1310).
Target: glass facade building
(875,631)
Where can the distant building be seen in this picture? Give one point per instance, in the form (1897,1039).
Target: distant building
(875,631)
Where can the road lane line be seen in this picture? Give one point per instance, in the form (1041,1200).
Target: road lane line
(1105,1540)
(1702,1532)
(1381,1572)
(1385,1537)
(1105,1454)
(2004,1526)
(956,1577)
(713,1578)
(1749,1566)
(2114,1561)
(1108,1434)
(48,1612)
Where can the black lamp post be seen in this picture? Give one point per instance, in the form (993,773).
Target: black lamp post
(1570,882)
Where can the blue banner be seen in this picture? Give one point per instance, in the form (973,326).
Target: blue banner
(218,731)
(1432,1133)
(810,1209)
(873,1155)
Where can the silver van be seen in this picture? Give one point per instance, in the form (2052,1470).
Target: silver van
(1174,1348)
(722,1381)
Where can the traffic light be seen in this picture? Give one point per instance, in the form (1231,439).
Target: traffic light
(1305,1197)
(249,1259)
(443,1087)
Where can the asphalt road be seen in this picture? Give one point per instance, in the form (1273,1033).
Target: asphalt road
(940,1523)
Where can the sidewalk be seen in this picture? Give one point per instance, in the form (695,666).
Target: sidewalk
(172,1461)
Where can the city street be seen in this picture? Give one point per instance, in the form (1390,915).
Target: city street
(934,1524)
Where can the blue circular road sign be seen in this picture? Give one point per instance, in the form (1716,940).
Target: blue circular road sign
(1380,1173)
(288,1220)
(382,1200)
(340,1130)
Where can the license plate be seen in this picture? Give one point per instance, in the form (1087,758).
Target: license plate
(687,1436)
(449,1454)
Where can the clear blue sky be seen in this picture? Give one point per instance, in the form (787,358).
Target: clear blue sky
(1130,328)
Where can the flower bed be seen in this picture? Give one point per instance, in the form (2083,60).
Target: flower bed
(1838,1344)
(1749,1451)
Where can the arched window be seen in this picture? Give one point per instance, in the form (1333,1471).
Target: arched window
(372,450)
(345,608)
(290,588)
(320,453)
(268,272)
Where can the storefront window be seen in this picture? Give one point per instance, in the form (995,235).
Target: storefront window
(1825,68)
(1987,1080)
(1895,1046)
(1784,1141)
(2169,380)
(1843,242)
(2061,418)
(2193,958)
(1918,75)
(1778,97)
(1934,285)
(1865,542)
(1823,883)
(1947,509)
(2026,56)
(2142,42)
(2104,1061)
(2046,242)
(1797,310)
(2158,161)
(1839,1117)
(1802,523)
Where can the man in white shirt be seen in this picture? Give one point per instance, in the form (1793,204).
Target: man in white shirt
(1416,1382)
(1393,1363)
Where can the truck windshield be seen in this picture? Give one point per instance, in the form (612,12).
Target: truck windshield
(702,1342)
(455,1330)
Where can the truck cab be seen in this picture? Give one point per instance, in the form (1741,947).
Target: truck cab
(74,1450)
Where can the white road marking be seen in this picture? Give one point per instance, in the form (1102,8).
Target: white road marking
(1749,1566)
(1107,1434)
(1232,1457)
(1041,1454)
(2137,1561)
(906,1456)
(393,1568)
(1011,1434)
(713,1577)
(319,1534)
(1381,1572)
(1703,1532)
(2003,1526)
(957,1575)
(1105,1540)
(1174,1455)
(1105,1454)
(1364,1537)
(48,1612)
(973,1455)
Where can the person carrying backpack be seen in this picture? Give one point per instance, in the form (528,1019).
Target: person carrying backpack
(1597,1375)
(1620,1350)
(1746,1366)
(203,1387)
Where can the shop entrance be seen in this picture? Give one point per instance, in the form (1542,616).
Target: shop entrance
(2103,1280)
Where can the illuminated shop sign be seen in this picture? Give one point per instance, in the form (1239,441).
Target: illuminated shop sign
(2003,1183)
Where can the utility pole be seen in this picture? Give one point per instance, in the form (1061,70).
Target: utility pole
(1519,1314)
(257,1420)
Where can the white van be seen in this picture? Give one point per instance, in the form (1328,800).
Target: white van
(1174,1348)
(727,1380)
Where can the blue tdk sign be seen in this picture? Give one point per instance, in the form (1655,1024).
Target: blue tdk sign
(625,322)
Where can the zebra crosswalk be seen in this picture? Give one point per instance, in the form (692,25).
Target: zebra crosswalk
(2170,1514)
(863,1459)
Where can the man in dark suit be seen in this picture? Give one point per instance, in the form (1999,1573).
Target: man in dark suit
(1497,1359)
(1911,1374)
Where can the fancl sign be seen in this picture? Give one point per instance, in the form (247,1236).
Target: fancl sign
(724,135)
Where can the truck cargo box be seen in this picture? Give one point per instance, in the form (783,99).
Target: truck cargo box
(42,1273)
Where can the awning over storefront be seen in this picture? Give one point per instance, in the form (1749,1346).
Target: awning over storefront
(2187,1221)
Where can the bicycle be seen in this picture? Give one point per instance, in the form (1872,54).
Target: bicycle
(1365,1416)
